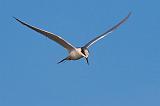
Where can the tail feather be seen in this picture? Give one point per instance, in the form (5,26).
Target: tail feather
(87,61)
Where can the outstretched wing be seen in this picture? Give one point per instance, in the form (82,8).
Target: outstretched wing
(107,32)
(50,35)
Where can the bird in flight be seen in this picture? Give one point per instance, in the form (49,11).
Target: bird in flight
(74,52)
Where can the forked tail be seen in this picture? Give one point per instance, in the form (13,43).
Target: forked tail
(87,60)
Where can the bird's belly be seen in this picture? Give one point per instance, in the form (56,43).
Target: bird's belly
(74,55)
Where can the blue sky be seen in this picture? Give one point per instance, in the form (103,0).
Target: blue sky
(124,67)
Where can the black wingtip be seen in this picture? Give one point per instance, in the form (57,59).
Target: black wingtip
(15,18)
(62,60)
(129,13)
(19,21)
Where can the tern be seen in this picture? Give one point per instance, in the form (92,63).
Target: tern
(74,52)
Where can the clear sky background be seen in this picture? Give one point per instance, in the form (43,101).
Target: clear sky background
(124,67)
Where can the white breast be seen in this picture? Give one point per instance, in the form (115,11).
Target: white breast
(75,54)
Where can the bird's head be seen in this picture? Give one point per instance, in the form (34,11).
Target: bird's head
(85,51)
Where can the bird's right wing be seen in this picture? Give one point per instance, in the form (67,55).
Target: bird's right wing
(107,32)
(50,35)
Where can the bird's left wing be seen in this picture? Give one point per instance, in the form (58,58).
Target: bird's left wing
(50,35)
(107,32)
